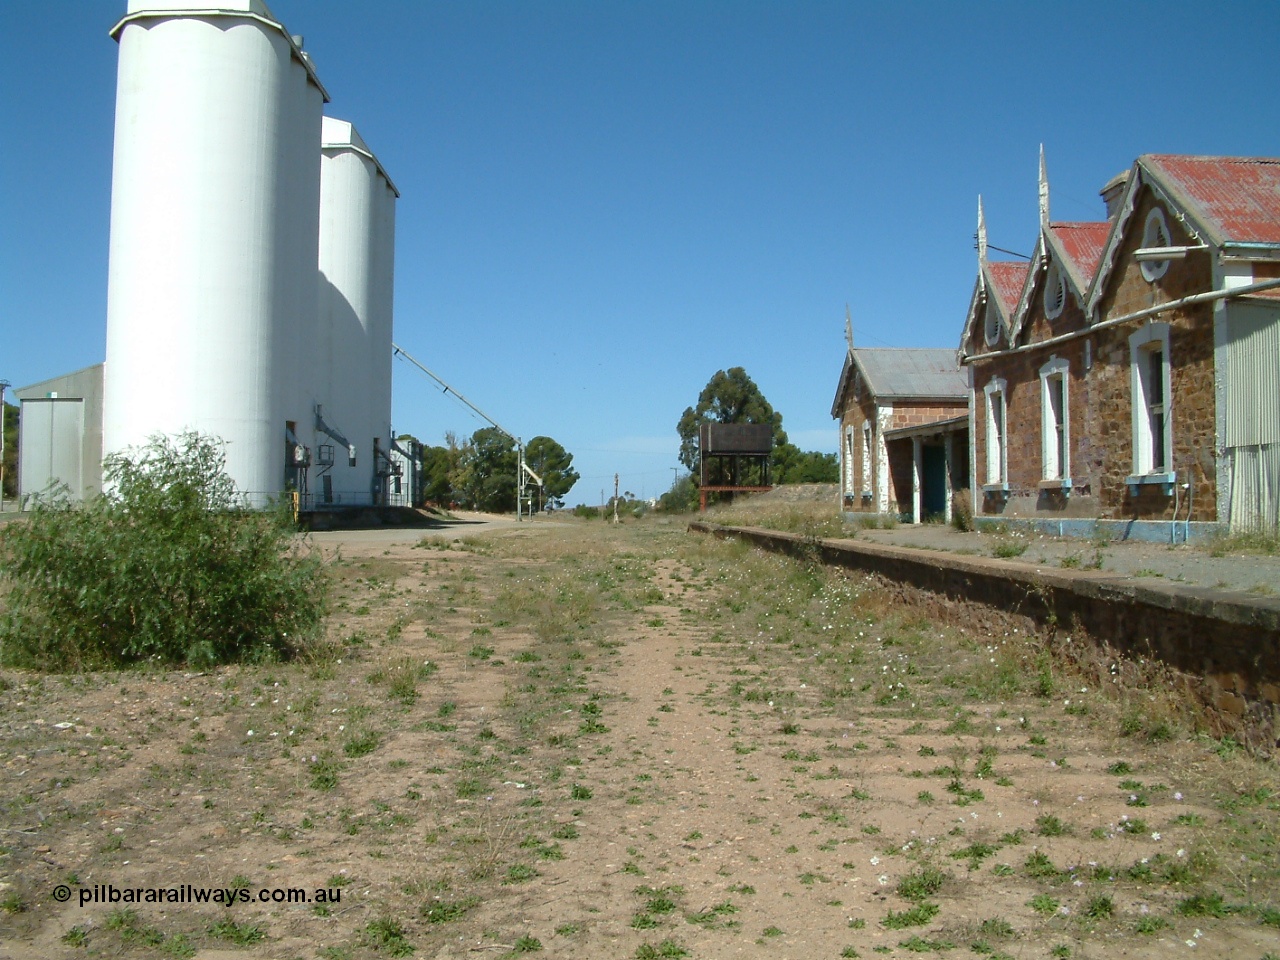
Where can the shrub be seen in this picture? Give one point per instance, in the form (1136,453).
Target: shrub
(166,566)
(962,511)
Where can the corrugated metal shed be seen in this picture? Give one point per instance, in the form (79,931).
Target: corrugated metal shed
(911,372)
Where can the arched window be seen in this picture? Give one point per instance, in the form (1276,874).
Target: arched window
(997,451)
(1055,421)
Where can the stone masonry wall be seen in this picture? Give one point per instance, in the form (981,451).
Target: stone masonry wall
(1191,405)
(859,407)
(1100,401)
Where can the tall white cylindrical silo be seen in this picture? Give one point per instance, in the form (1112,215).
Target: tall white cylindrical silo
(357,252)
(215,202)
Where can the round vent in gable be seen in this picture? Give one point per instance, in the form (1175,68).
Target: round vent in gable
(1155,234)
(1055,292)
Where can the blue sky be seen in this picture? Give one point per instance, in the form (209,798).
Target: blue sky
(604,203)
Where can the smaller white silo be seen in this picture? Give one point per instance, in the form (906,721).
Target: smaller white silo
(356,292)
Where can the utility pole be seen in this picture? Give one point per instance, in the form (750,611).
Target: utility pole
(615,498)
(3,384)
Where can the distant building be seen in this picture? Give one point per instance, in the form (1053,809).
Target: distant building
(904,426)
(60,436)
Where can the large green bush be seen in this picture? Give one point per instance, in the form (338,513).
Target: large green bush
(167,566)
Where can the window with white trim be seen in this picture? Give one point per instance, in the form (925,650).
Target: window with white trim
(1055,292)
(1155,233)
(868,484)
(997,449)
(848,459)
(1055,421)
(1149,377)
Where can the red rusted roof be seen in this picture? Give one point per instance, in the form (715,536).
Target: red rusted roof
(1007,278)
(1238,197)
(1082,243)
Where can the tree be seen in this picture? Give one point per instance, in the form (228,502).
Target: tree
(10,451)
(554,465)
(485,478)
(165,566)
(793,465)
(438,466)
(729,397)
(681,497)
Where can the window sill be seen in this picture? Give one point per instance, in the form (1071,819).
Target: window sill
(996,489)
(1136,481)
(1062,484)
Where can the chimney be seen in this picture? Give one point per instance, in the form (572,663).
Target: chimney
(1112,192)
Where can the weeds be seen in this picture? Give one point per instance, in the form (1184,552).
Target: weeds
(165,567)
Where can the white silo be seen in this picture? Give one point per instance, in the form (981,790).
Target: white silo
(357,251)
(215,201)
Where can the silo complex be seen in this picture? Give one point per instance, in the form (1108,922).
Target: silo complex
(357,251)
(214,320)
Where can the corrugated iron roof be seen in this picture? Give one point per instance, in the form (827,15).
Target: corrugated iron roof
(1237,197)
(1081,244)
(1007,278)
(903,372)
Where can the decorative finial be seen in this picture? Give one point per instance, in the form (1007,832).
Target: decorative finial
(1044,191)
(982,233)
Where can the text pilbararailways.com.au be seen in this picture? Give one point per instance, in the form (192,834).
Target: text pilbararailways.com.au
(186,893)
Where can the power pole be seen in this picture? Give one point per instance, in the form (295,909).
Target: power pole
(3,385)
(615,498)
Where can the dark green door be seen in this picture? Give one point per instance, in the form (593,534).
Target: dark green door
(933,497)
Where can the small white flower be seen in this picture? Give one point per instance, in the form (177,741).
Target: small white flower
(1182,853)
(1177,795)
(251,733)
(1155,836)
(875,861)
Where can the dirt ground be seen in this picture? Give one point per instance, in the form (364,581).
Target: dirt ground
(581,740)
